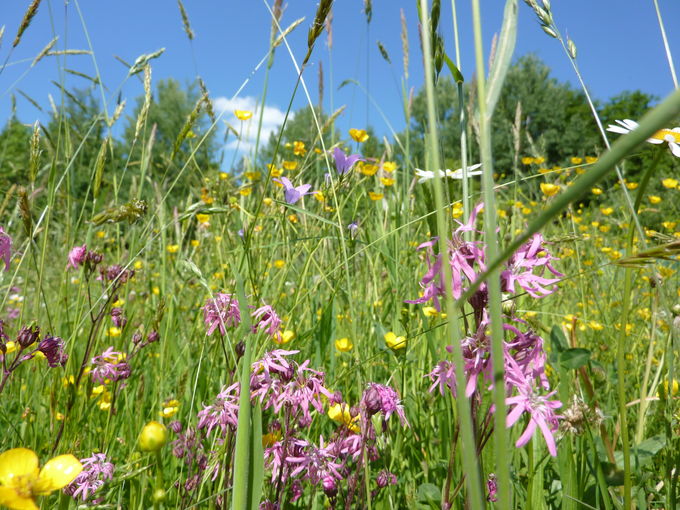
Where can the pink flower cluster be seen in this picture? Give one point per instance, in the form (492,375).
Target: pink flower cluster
(524,354)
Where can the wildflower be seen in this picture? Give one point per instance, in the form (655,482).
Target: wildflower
(96,470)
(670,183)
(290,165)
(243,114)
(223,413)
(266,319)
(283,337)
(21,480)
(344,164)
(344,344)
(539,407)
(5,247)
(671,136)
(576,160)
(353,229)
(387,181)
(367,169)
(153,437)
(430,311)
(395,342)
(596,191)
(299,148)
(521,266)
(491,485)
(375,196)
(28,335)
(385,478)
(424,175)
(170,408)
(389,166)
(378,398)
(109,365)
(549,189)
(654,199)
(53,349)
(279,263)
(341,413)
(221,312)
(77,256)
(358,135)
(606,210)
(291,193)
(527,160)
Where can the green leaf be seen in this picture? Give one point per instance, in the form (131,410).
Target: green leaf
(642,453)
(503,58)
(256,473)
(557,339)
(429,493)
(574,358)
(455,72)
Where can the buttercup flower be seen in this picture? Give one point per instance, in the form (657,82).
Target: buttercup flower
(243,114)
(21,480)
(153,437)
(359,135)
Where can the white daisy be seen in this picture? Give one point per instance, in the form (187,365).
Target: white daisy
(424,175)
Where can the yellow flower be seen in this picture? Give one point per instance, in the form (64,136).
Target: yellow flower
(669,225)
(223,175)
(387,181)
(283,338)
(670,183)
(576,160)
(549,190)
(596,191)
(10,347)
(319,196)
(457,210)
(359,135)
(293,218)
(153,437)
(673,390)
(170,408)
(606,210)
(290,165)
(653,199)
(395,342)
(591,159)
(375,196)
(195,243)
(278,264)
(172,248)
(539,160)
(430,311)
(113,331)
(21,480)
(267,201)
(367,168)
(389,166)
(156,290)
(243,114)
(632,185)
(344,344)
(340,413)
(299,148)
(245,191)
(526,160)
(203,219)
(253,176)
(270,438)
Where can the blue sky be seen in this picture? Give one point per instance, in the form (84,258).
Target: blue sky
(619,48)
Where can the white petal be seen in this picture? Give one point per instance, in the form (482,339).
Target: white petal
(675,149)
(618,129)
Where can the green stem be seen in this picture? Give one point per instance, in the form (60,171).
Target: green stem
(493,279)
(469,455)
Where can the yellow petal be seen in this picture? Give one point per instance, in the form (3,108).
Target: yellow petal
(13,500)
(57,473)
(17,462)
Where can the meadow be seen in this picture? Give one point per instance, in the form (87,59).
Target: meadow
(330,320)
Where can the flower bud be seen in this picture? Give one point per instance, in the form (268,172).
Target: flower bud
(28,336)
(153,437)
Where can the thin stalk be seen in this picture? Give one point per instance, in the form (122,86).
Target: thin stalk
(669,57)
(493,280)
(469,456)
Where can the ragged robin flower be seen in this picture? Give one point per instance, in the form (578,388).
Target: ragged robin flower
(21,480)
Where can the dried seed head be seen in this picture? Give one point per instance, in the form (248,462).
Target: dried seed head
(572,48)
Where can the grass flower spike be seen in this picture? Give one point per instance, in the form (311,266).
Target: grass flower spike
(21,480)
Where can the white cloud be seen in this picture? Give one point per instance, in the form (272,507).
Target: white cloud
(272,118)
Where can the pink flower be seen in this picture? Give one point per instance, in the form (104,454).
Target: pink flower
(96,470)
(266,319)
(539,407)
(382,399)
(109,365)
(5,248)
(221,311)
(529,258)
(77,256)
